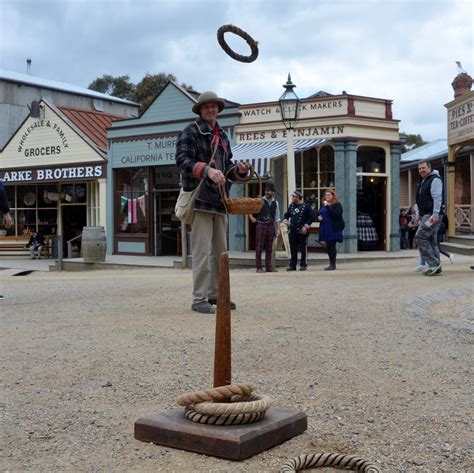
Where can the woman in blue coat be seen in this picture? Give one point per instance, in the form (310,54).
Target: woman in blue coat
(331,225)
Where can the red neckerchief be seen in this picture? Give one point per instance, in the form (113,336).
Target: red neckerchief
(217,138)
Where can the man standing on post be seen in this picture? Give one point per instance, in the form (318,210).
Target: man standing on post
(203,154)
(267,229)
(429,197)
(298,218)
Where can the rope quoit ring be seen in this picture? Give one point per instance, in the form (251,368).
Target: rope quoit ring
(237,31)
(239,405)
(216,394)
(194,416)
(334,460)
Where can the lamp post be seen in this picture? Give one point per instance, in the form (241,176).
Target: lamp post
(290,111)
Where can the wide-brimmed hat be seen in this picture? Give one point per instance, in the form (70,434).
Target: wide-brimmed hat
(207,97)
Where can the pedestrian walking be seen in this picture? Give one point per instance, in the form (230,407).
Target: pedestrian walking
(428,206)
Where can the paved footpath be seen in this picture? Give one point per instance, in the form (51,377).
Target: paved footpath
(378,356)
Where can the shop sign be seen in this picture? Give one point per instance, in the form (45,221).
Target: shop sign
(306,133)
(153,152)
(461,121)
(55,174)
(28,149)
(315,109)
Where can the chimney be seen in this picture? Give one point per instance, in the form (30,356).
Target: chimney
(462,84)
(28,66)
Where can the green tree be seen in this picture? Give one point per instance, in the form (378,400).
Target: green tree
(116,86)
(150,86)
(409,142)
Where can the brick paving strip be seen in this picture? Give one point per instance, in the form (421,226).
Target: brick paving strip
(454,307)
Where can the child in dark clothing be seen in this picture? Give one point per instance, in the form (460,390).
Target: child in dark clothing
(403,220)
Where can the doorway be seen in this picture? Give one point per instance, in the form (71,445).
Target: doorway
(74,219)
(167,225)
(371,213)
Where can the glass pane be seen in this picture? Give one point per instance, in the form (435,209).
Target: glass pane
(26,197)
(132,195)
(26,221)
(48,196)
(371,159)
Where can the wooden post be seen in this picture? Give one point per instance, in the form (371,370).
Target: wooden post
(222,352)
(450,195)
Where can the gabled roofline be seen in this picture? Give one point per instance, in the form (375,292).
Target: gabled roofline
(101,151)
(183,91)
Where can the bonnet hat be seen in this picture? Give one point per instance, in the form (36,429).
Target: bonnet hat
(207,97)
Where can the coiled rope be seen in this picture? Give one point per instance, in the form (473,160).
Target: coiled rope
(195,416)
(215,394)
(238,405)
(334,460)
(244,407)
(237,31)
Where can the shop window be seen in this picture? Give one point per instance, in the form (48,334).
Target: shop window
(73,194)
(131,200)
(315,173)
(370,159)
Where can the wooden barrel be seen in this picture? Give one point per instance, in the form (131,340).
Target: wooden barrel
(94,244)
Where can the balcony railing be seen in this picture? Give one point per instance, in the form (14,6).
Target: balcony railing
(464,220)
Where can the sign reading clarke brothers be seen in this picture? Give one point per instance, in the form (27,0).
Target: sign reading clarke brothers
(461,120)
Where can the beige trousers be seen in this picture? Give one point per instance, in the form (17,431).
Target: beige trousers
(208,242)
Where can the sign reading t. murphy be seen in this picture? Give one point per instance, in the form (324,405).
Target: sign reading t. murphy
(145,152)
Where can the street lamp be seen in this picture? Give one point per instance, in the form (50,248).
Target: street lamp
(290,112)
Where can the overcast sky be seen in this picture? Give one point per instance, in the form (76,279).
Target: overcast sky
(402,50)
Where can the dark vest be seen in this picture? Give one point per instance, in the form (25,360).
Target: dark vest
(424,199)
(267,214)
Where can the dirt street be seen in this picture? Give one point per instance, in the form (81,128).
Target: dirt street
(378,356)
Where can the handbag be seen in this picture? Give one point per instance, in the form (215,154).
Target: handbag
(243,205)
(184,208)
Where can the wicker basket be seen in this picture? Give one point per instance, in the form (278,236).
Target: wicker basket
(243,205)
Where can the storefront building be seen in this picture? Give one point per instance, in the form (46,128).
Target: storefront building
(344,142)
(452,158)
(144,182)
(55,168)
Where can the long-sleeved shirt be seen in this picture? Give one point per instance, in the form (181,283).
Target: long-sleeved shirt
(436,190)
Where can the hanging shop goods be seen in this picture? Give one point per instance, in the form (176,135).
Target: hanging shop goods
(237,31)
(29,199)
(243,205)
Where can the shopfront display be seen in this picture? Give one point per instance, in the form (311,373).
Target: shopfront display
(55,173)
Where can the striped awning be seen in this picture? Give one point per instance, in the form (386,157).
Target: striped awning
(259,154)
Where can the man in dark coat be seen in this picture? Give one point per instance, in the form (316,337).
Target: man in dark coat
(267,229)
(298,218)
(203,154)
(35,244)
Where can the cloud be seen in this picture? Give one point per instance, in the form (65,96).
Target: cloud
(399,50)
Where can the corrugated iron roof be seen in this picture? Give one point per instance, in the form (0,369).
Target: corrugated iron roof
(93,124)
(427,151)
(56,85)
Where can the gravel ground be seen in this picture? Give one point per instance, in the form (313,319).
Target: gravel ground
(378,357)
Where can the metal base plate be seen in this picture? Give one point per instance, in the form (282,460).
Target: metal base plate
(233,442)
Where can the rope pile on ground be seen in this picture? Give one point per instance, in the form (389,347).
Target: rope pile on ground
(333,460)
(243,408)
